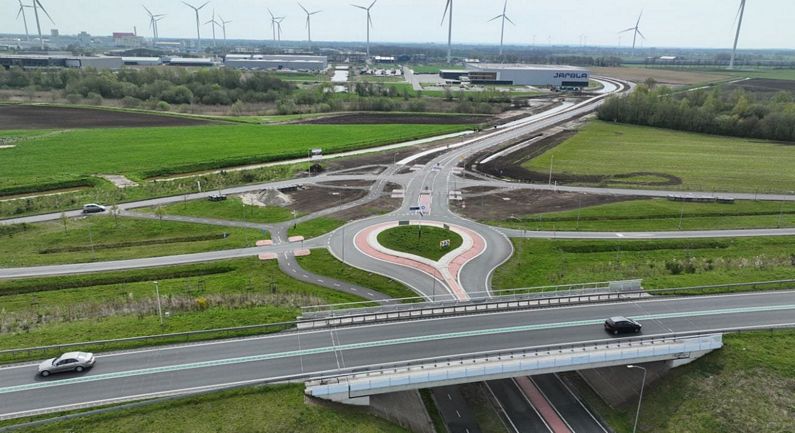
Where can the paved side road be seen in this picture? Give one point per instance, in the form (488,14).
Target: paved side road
(289,265)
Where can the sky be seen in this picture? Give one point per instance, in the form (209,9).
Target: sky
(665,23)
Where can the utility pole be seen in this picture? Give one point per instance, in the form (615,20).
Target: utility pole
(551,161)
(159,307)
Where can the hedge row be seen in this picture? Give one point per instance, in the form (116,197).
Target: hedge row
(18,287)
(644,246)
(108,246)
(655,217)
(11,230)
(46,187)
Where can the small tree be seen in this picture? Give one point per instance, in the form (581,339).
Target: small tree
(64,220)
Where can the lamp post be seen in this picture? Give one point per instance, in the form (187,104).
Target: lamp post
(640,399)
(159,308)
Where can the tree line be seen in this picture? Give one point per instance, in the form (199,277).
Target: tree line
(173,86)
(721,110)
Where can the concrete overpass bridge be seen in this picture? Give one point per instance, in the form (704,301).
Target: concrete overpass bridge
(489,342)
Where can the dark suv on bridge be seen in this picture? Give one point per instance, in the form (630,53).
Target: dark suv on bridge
(621,325)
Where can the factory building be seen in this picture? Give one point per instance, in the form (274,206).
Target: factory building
(556,76)
(60,61)
(276,62)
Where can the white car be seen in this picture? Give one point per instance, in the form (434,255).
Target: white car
(70,361)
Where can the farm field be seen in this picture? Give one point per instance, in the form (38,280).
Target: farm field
(17,117)
(635,156)
(103,238)
(674,77)
(149,152)
(660,214)
(112,305)
(272,409)
(660,263)
(730,390)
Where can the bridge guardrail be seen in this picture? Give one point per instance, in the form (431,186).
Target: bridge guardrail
(356,317)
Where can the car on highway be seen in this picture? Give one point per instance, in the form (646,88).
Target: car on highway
(93,208)
(69,361)
(622,325)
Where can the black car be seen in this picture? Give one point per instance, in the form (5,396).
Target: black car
(621,325)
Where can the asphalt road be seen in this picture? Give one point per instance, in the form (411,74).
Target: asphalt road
(146,373)
(517,410)
(454,410)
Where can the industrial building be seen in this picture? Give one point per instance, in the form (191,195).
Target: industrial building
(555,76)
(276,62)
(60,61)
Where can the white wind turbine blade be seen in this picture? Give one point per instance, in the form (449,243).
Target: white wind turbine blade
(371,5)
(44,10)
(627,30)
(509,20)
(200,7)
(641,35)
(444,14)
(497,17)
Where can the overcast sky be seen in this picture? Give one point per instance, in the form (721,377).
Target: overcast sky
(666,23)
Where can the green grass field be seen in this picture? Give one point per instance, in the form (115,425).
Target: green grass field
(274,409)
(702,162)
(122,304)
(113,239)
(231,209)
(147,152)
(419,240)
(321,262)
(660,263)
(315,227)
(661,214)
(745,386)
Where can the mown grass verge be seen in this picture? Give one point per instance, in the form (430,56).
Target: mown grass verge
(267,409)
(315,227)
(101,238)
(322,262)
(660,263)
(232,209)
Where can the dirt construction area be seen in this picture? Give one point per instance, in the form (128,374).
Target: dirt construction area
(505,204)
(386,118)
(42,117)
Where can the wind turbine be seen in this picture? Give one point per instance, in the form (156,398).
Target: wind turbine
(504,18)
(213,23)
(449,8)
(635,30)
(198,22)
(223,26)
(368,24)
(153,19)
(276,25)
(308,21)
(36,5)
(24,17)
(740,13)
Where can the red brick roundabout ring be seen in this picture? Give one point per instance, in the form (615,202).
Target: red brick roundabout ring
(447,271)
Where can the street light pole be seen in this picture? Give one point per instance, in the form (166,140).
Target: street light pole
(159,308)
(640,399)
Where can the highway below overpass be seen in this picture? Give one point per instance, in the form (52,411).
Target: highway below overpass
(175,370)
